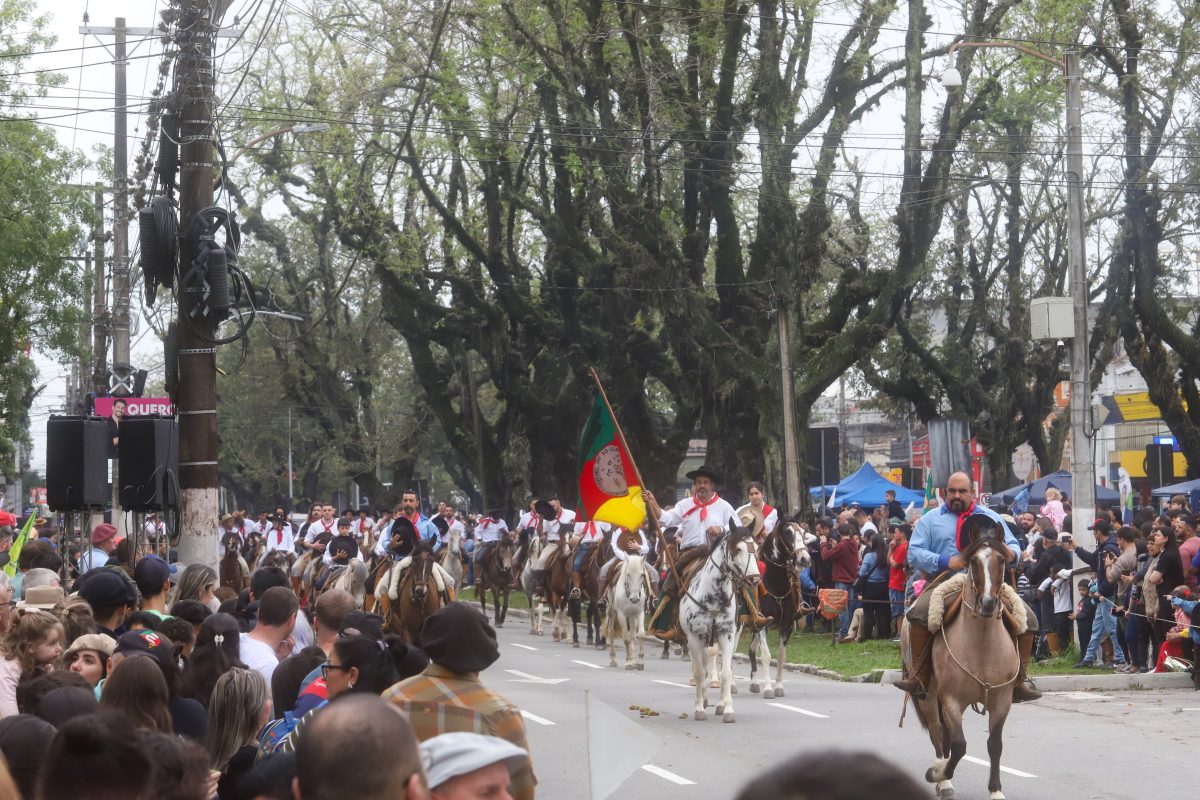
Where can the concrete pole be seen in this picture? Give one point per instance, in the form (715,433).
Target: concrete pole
(1083,499)
(791,455)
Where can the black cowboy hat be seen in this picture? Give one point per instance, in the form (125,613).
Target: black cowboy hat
(705,471)
(403,525)
(440,523)
(544,509)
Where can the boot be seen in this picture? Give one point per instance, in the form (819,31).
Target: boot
(920,671)
(1023,690)
(575,581)
(666,634)
(753,616)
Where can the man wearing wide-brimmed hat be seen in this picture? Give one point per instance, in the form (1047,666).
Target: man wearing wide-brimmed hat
(699,517)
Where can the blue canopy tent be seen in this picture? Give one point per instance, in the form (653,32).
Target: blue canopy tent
(1037,490)
(866,487)
(1186,488)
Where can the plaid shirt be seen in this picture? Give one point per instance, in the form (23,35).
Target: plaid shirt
(439,701)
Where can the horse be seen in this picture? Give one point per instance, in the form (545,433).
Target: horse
(275,558)
(558,590)
(353,579)
(708,611)
(975,664)
(533,550)
(591,591)
(784,554)
(451,557)
(627,612)
(416,598)
(495,572)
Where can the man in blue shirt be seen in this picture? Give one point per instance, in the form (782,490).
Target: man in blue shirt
(932,550)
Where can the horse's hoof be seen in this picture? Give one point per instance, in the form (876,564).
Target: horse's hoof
(541,633)
(779,691)
(701,716)
(612,663)
(499,625)
(714,684)
(755,688)
(629,667)
(996,795)
(720,709)
(728,717)
(945,791)
(575,643)
(691,681)
(641,666)
(769,695)
(665,655)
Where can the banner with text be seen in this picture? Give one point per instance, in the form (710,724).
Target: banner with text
(136,406)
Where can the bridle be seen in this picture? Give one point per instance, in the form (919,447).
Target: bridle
(725,568)
(421,569)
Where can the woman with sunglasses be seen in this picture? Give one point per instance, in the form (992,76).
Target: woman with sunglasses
(356,664)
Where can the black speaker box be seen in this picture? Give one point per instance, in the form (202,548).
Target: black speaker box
(1160,464)
(149,464)
(822,444)
(912,477)
(77,463)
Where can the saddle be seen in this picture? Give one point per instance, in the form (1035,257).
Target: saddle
(946,601)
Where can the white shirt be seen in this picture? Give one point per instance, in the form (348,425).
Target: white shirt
(360,527)
(93,558)
(490,530)
(692,529)
(455,525)
(258,656)
(869,527)
(527,520)
(555,527)
(283,540)
(595,536)
(623,555)
(319,527)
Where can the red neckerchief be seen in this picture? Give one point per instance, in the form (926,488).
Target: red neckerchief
(486,521)
(767,510)
(958,528)
(279,536)
(589,528)
(327,528)
(559,517)
(703,507)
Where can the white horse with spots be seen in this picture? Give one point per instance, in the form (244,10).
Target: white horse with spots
(708,612)
(627,612)
(451,556)
(537,607)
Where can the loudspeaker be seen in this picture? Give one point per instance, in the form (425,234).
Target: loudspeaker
(821,450)
(76,463)
(149,464)
(1160,464)
(912,478)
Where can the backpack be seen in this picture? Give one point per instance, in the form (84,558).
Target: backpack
(273,734)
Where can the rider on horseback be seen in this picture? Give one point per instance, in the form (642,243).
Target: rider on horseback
(934,550)
(488,531)
(406,544)
(699,517)
(590,535)
(628,543)
(342,548)
(557,523)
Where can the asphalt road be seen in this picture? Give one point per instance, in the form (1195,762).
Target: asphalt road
(1068,745)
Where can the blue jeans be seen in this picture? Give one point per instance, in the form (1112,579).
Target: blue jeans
(844,617)
(579,556)
(897,598)
(1104,622)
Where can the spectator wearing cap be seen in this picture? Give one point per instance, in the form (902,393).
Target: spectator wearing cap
(448,697)
(104,544)
(468,766)
(187,715)
(153,578)
(111,596)
(88,656)
(359,730)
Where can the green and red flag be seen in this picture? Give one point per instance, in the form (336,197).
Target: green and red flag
(609,488)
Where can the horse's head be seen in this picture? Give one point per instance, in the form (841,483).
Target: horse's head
(739,551)
(504,555)
(987,558)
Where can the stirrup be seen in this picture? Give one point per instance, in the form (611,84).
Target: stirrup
(575,593)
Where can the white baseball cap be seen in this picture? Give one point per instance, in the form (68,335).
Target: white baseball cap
(454,754)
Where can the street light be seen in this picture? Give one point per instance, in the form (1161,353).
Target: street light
(1083,501)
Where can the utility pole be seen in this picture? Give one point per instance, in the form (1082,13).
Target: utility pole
(1083,479)
(100,303)
(791,455)
(291,496)
(197,390)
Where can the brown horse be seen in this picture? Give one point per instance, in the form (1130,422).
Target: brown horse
(593,592)
(558,590)
(495,572)
(417,598)
(975,664)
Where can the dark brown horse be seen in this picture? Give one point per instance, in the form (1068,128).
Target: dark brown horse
(495,572)
(593,593)
(558,590)
(416,599)
(784,554)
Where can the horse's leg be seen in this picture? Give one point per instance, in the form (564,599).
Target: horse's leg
(752,650)
(638,631)
(613,620)
(954,747)
(785,635)
(714,674)
(504,608)
(932,714)
(698,663)
(725,647)
(996,718)
(482,597)
(768,683)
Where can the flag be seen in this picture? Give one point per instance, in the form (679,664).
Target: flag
(1020,502)
(930,494)
(609,489)
(14,552)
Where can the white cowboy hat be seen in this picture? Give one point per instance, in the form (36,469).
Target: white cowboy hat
(752,518)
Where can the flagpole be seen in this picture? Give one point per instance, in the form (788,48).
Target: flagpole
(637,472)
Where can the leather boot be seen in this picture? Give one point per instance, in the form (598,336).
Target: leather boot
(1023,690)
(754,617)
(921,670)
(575,581)
(665,635)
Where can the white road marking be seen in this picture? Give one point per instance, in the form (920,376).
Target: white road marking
(673,683)
(668,775)
(525,677)
(586,663)
(523,646)
(1009,770)
(798,710)
(536,718)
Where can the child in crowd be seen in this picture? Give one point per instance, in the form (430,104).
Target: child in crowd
(1085,612)
(33,644)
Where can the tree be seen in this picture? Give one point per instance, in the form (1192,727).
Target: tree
(42,226)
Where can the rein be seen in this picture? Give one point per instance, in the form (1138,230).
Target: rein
(736,579)
(988,688)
